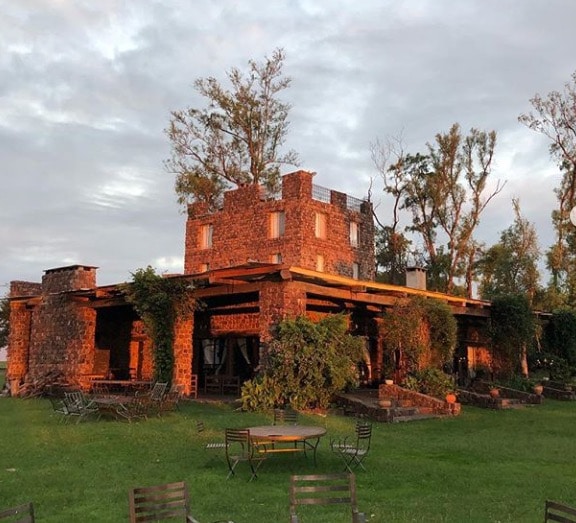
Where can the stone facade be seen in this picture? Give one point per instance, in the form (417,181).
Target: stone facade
(242,230)
(57,334)
(246,281)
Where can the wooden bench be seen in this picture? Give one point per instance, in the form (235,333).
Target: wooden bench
(559,512)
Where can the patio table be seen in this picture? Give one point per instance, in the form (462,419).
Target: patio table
(109,405)
(266,436)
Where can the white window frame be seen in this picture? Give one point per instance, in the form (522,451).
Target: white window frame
(320,263)
(206,236)
(277,224)
(320,225)
(354,234)
(356,271)
(276,258)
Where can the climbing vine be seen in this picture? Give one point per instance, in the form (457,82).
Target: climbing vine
(158,300)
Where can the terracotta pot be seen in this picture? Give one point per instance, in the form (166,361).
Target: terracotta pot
(451,398)
(385,404)
(494,393)
(538,389)
(389,382)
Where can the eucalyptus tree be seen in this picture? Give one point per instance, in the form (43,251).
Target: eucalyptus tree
(511,265)
(236,139)
(446,190)
(554,116)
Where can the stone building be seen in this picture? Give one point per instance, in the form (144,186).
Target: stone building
(254,261)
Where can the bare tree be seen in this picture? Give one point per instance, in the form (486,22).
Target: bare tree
(392,245)
(236,139)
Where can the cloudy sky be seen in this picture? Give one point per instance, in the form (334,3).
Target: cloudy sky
(86,90)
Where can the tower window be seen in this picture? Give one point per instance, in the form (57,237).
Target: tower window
(320,225)
(206,232)
(354,230)
(277,224)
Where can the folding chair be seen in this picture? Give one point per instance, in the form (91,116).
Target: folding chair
(285,417)
(354,450)
(239,448)
(20,514)
(217,447)
(59,408)
(162,502)
(324,489)
(77,405)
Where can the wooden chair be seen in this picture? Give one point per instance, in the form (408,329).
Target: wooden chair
(324,489)
(354,450)
(20,514)
(238,447)
(559,512)
(162,502)
(194,386)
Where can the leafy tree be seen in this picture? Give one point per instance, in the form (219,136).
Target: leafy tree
(236,139)
(423,332)
(157,300)
(446,191)
(554,116)
(511,265)
(560,335)
(512,329)
(306,364)
(4,321)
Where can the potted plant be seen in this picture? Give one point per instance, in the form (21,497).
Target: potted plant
(538,389)
(494,392)
(451,398)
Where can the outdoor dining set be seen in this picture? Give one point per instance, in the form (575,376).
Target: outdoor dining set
(137,405)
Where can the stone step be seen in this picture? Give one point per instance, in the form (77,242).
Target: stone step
(412,417)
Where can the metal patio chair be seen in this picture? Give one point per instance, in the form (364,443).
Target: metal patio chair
(79,406)
(353,450)
(285,417)
(239,448)
(216,446)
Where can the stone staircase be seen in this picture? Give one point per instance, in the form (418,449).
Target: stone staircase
(365,404)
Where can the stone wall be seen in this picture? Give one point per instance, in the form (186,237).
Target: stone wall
(55,336)
(241,230)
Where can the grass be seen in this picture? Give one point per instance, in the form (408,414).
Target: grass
(483,466)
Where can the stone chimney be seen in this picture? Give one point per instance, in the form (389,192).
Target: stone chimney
(416,278)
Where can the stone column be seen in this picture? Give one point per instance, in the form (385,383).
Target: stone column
(183,331)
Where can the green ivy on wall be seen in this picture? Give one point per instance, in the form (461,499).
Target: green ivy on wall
(158,301)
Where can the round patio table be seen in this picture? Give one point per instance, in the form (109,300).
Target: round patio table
(265,437)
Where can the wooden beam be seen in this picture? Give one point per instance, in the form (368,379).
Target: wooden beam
(222,290)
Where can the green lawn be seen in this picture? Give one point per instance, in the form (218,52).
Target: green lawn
(483,466)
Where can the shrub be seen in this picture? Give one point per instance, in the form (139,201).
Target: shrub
(305,365)
(430,381)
